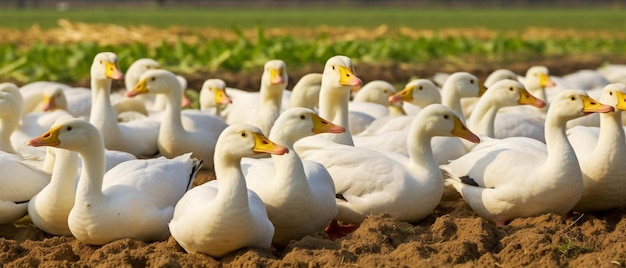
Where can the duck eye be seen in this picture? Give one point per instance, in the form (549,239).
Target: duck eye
(611,93)
(153,78)
(445,116)
(243,134)
(100,62)
(472,81)
(385,91)
(421,87)
(573,98)
(511,89)
(333,66)
(302,117)
(69,128)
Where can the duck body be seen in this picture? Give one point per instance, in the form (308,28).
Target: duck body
(138,137)
(520,177)
(370,182)
(140,195)
(601,151)
(196,132)
(222,215)
(263,107)
(291,189)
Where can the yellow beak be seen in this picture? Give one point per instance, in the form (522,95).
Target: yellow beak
(592,106)
(48,103)
(320,125)
(526,98)
(404,95)
(276,76)
(140,88)
(221,97)
(112,71)
(481,90)
(348,78)
(461,131)
(544,81)
(263,145)
(50,138)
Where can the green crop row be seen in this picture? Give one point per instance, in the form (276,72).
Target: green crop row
(70,62)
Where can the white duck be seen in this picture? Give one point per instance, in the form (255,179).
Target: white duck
(140,195)
(519,177)
(371,182)
(138,137)
(492,78)
(292,190)
(601,153)
(306,93)
(10,107)
(460,85)
(213,96)
(503,93)
(198,133)
(522,120)
(614,73)
(370,103)
(19,181)
(337,81)
(417,93)
(17,130)
(263,107)
(128,109)
(78,99)
(222,215)
(53,98)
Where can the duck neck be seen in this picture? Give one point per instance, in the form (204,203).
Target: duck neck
(560,152)
(483,117)
(102,115)
(450,98)
(395,110)
(172,123)
(288,167)
(334,104)
(271,98)
(90,182)
(8,124)
(611,134)
(232,190)
(63,177)
(420,151)
(218,110)
(160,101)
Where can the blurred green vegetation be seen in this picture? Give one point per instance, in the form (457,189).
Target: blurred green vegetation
(70,62)
(429,18)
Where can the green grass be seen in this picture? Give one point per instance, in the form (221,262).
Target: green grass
(430,18)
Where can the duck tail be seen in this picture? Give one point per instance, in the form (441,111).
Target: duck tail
(197,164)
(449,179)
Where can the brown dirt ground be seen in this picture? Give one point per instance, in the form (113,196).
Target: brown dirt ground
(451,236)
